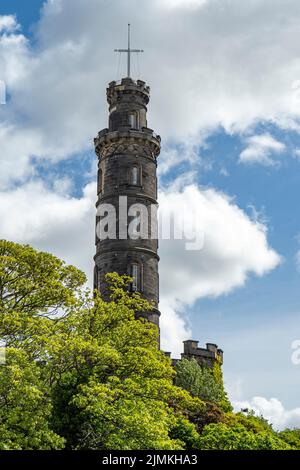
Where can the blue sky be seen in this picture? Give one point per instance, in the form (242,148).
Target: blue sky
(226,108)
(270,304)
(28,12)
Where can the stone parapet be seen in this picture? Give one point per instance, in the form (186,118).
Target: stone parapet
(204,356)
(127,141)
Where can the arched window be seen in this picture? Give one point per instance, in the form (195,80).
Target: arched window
(136,274)
(100,181)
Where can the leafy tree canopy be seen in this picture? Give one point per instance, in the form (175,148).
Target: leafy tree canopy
(291,437)
(202,382)
(224,437)
(82,373)
(94,371)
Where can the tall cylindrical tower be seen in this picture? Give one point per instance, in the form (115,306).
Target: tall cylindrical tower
(127,161)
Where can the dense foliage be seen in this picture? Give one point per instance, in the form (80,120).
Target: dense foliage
(81,373)
(202,382)
(291,437)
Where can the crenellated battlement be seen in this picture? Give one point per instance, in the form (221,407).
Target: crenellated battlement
(129,82)
(126,89)
(208,356)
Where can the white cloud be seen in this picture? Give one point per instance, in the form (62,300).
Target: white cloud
(234,247)
(193,4)
(297,153)
(174,328)
(273,410)
(176,154)
(224,172)
(8,23)
(16,153)
(51,222)
(207,80)
(260,149)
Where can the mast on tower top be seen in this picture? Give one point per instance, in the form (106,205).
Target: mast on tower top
(129,51)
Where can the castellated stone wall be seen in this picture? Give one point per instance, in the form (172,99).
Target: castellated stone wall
(208,356)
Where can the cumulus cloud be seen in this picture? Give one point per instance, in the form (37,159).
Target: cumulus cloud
(51,222)
(17,153)
(236,66)
(234,246)
(49,115)
(273,410)
(261,149)
(184,154)
(8,23)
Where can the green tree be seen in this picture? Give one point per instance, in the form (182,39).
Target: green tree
(116,388)
(92,375)
(34,287)
(202,382)
(292,437)
(34,282)
(250,421)
(25,406)
(82,373)
(223,437)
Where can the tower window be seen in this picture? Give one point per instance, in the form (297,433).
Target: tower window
(135,175)
(133,120)
(100,181)
(135,273)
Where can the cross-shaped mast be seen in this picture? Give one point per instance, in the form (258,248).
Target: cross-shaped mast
(129,51)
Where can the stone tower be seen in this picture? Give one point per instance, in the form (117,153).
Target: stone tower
(127,195)
(127,160)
